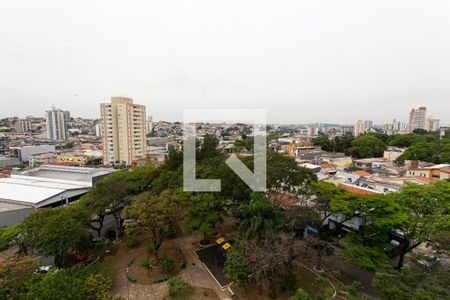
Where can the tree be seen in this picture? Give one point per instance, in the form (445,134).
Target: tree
(54,232)
(206,210)
(409,139)
(109,196)
(140,179)
(155,214)
(375,211)
(367,146)
(259,218)
(10,236)
(343,143)
(237,267)
(246,144)
(324,142)
(208,148)
(174,159)
(284,175)
(297,217)
(425,278)
(425,210)
(14,272)
(420,131)
(369,257)
(66,284)
(323,193)
(435,152)
(267,264)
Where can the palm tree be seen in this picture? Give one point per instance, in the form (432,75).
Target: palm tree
(258,218)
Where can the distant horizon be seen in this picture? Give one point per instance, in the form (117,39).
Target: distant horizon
(375,122)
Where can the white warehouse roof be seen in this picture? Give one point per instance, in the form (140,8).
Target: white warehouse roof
(34,191)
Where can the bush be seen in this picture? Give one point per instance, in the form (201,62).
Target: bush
(178,286)
(147,264)
(132,241)
(166,265)
(300,295)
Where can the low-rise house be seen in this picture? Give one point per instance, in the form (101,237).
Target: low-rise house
(436,172)
(72,159)
(392,153)
(42,158)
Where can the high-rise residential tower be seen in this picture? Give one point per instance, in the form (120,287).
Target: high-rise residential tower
(432,124)
(23,125)
(362,127)
(359,127)
(123,131)
(417,119)
(56,125)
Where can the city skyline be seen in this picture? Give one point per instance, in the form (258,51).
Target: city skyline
(354,123)
(302,61)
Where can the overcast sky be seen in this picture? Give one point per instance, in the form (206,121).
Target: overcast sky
(305,61)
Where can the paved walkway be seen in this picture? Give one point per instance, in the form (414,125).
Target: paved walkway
(198,275)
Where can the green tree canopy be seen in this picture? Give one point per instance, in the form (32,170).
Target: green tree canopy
(324,142)
(259,218)
(109,196)
(66,284)
(424,278)
(155,214)
(425,210)
(206,211)
(435,152)
(406,140)
(367,145)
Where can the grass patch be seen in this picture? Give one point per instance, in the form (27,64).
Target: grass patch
(313,284)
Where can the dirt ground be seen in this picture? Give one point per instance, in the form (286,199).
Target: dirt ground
(119,262)
(200,294)
(115,266)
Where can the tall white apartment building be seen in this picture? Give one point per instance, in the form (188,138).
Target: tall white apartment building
(368,125)
(359,127)
(432,124)
(417,119)
(23,125)
(123,126)
(56,125)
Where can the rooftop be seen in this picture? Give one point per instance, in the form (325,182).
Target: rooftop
(82,174)
(358,190)
(362,173)
(5,206)
(31,191)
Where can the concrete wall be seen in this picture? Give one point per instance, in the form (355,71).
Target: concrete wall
(8,162)
(13,217)
(26,151)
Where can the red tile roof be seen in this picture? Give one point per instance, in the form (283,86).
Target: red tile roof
(357,190)
(328,166)
(423,179)
(445,170)
(362,173)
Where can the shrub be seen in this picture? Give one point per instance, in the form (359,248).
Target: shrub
(166,265)
(300,295)
(147,264)
(178,286)
(132,241)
